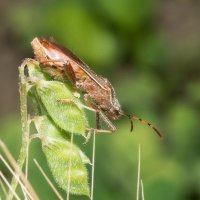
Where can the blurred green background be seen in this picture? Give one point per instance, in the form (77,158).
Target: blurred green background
(149,50)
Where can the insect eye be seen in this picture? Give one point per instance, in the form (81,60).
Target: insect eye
(117,112)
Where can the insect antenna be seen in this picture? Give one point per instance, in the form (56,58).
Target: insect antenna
(131,121)
(132,117)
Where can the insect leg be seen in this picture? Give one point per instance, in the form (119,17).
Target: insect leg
(59,63)
(94,108)
(77,103)
(91,130)
(66,67)
(69,72)
(52,61)
(98,113)
(103,116)
(98,126)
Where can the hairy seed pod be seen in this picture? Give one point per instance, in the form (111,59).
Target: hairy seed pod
(66,160)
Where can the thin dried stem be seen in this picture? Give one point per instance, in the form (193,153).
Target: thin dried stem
(18,171)
(3,188)
(138,175)
(142,188)
(24,190)
(48,180)
(9,186)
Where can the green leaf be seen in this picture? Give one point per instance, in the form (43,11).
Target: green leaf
(66,160)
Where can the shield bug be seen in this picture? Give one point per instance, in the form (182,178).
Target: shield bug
(98,92)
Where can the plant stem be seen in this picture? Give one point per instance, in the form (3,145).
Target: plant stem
(25,125)
(138,175)
(93,163)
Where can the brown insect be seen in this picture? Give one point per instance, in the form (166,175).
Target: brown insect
(98,92)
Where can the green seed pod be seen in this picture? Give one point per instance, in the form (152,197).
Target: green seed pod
(68,116)
(66,160)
